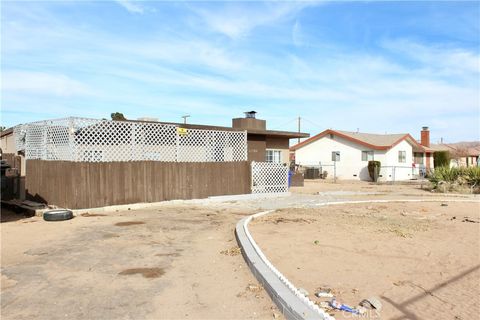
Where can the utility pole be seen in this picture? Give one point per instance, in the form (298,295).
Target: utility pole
(299,119)
(185,118)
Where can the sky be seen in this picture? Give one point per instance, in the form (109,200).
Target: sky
(378,67)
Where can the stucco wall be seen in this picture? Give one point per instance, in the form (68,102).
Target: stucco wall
(7,143)
(351,165)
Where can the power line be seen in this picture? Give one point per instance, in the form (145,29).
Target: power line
(311,122)
(282,125)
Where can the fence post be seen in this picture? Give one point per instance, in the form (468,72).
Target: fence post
(335,170)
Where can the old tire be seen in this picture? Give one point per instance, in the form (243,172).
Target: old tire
(57,215)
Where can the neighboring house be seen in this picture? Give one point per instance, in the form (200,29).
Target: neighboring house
(7,142)
(263,145)
(461,155)
(346,154)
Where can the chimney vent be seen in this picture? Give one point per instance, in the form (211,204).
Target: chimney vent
(250,114)
(249,122)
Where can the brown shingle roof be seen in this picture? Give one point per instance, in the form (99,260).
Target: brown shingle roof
(370,140)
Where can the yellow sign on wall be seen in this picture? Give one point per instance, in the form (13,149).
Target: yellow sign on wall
(182,131)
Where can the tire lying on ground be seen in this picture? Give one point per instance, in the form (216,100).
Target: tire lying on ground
(57,215)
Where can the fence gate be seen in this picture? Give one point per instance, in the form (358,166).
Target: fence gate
(269,177)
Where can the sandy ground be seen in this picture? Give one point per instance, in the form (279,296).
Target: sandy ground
(421,260)
(159,263)
(167,261)
(363,188)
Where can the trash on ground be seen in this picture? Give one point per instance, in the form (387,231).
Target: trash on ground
(371,303)
(343,307)
(444,205)
(467,219)
(324,294)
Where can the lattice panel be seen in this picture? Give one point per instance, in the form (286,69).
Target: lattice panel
(19,134)
(269,177)
(211,146)
(91,140)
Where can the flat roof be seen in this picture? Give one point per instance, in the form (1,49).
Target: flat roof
(271,133)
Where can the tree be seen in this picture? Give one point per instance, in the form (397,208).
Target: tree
(118,116)
(2,128)
(441,159)
(374,169)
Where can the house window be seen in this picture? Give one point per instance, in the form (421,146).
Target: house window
(273,156)
(418,157)
(367,155)
(335,156)
(402,156)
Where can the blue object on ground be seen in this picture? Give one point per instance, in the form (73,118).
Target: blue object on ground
(339,306)
(290,174)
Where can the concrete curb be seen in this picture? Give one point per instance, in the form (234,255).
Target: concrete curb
(213,199)
(293,304)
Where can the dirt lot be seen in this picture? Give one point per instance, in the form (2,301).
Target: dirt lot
(363,188)
(179,260)
(421,259)
(144,264)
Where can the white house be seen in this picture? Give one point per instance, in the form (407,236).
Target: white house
(346,154)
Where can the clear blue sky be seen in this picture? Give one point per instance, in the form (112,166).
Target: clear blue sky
(377,66)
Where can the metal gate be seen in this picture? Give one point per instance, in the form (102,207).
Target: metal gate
(268,177)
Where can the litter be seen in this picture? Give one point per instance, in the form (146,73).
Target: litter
(444,205)
(371,303)
(324,294)
(343,307)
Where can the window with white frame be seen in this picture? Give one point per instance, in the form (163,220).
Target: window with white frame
(402,156)
(335,156)
(273,156)
(367,155)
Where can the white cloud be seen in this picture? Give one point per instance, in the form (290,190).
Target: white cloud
(235,20)
(442,60)
(42,83)
(297,34)
(131,6)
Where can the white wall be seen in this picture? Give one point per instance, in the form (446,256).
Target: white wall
(403,170)
(351,165)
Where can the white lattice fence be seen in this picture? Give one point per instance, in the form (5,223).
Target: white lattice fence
(269,177)
(91,140)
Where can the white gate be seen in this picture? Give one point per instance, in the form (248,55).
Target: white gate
(269,177)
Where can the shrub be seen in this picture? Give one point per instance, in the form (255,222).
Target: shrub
(472,175)
(441,159)
(461,176)
(374,169)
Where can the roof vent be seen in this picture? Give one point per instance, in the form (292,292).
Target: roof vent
(250,114)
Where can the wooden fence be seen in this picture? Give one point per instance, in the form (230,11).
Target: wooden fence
(78,185)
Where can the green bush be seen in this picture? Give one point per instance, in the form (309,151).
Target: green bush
(462,176)
(441,159)
(374,169)
(472,175)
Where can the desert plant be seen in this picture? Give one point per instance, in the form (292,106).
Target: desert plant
(374,169)
(441,159)
(472,175)
(460,176)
